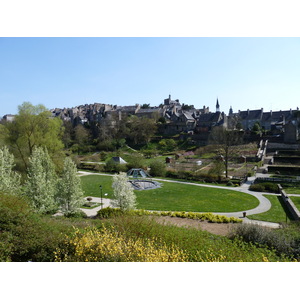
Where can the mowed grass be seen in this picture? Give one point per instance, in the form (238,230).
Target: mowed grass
(275,214)
(177,196)
(91,185)
(292,190)
(296,201)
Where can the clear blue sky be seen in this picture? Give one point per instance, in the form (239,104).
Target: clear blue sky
(66,72)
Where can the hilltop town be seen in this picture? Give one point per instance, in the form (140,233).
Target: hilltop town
(176,118)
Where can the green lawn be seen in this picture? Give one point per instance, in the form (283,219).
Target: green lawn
(91,183)
(177,196)
(292,190)
(296,201)
(275,214)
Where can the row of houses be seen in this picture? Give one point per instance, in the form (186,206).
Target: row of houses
(179,118)
(267,120)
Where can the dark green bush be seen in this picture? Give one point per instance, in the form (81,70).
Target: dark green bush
(158,168)
(108,212)
(136,161)
(99,168)
(76,214)
(88,166)
(191,176)
(25,235)
(264,187)
(114,167)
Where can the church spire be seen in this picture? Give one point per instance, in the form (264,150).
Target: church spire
(217,106)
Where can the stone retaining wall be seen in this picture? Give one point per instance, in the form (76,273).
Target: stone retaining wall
(289,204)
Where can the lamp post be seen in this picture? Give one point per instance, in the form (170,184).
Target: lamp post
(101,196)
(245,158)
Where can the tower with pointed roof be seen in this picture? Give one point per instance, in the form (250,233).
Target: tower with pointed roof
(217,106)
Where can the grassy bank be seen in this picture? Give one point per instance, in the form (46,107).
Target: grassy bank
(27,236)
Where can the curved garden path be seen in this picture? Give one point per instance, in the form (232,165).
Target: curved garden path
(264,203)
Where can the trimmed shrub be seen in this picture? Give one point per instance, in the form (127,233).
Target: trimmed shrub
(76,214)
(264,187)
(108,212)
(191,176)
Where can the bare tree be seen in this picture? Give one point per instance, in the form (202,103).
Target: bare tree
(225,140)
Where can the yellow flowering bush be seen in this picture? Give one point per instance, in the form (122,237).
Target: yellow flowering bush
(109,212)
(107,245)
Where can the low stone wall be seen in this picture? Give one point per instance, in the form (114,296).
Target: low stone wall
(289,204)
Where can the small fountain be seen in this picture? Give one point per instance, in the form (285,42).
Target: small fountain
(141,180)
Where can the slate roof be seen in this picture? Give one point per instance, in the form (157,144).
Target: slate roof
(277,116)
(251,114)
(209,118)
(148,110)
(188,116)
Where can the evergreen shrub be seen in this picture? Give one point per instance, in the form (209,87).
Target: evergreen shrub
(264,187)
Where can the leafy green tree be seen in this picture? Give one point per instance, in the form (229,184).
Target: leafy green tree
(217,168)
(145,105)
(124,196)
(69,192)
(40,186)
(167,145)
(68,133)
(148,153)
(141,130)
(114,167)
(32,127)
(157,168)
(9,180)
(82,137)
(112,132)
(256,129)
(136,160)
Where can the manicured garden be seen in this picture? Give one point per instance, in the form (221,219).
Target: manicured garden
(177,196)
